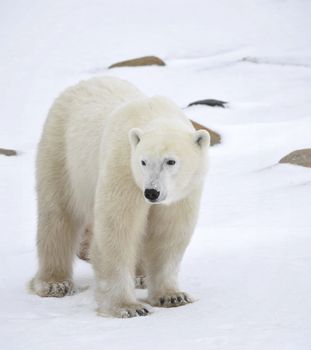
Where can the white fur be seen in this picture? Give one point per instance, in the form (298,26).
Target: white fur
(89,173)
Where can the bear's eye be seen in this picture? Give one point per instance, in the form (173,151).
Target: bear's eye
(170,162)
(143,163)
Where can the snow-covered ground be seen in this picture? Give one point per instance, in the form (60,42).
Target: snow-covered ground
(249,263)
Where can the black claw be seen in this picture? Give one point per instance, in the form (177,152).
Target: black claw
(162,300)
(140,312)
(146,311)
(179,298)
(173,300)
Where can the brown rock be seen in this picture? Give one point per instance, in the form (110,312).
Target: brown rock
(8,152)
(141,61)
(215,137)
(300,157)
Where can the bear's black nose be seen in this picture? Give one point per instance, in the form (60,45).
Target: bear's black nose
(151,194)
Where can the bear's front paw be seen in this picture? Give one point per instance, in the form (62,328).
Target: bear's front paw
(126,311)
(51,289)
(172,300)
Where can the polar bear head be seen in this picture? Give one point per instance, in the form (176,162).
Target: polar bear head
(168,164)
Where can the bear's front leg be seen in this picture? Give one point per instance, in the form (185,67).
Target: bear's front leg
(169,231)
(119,224)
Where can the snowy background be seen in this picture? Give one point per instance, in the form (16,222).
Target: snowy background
(249,263)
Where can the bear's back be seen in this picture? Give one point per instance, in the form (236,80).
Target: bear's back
(75,125)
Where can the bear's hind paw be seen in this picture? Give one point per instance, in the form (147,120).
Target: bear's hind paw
(172,300)
(140,282)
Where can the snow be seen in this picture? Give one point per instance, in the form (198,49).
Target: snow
(249,263)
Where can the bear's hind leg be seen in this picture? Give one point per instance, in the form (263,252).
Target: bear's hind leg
(140,276)
(56,244)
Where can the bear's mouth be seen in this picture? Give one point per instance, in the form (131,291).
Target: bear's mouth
(153,200)
(157,201)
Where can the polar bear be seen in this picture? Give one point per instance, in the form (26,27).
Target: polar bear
(129,168)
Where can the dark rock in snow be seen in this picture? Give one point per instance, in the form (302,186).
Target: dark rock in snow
(8,152)
(215,137)
(209,102)
(300,157)
(140,61)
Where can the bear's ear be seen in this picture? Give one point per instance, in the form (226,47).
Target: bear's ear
(202,138)
(135,135)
